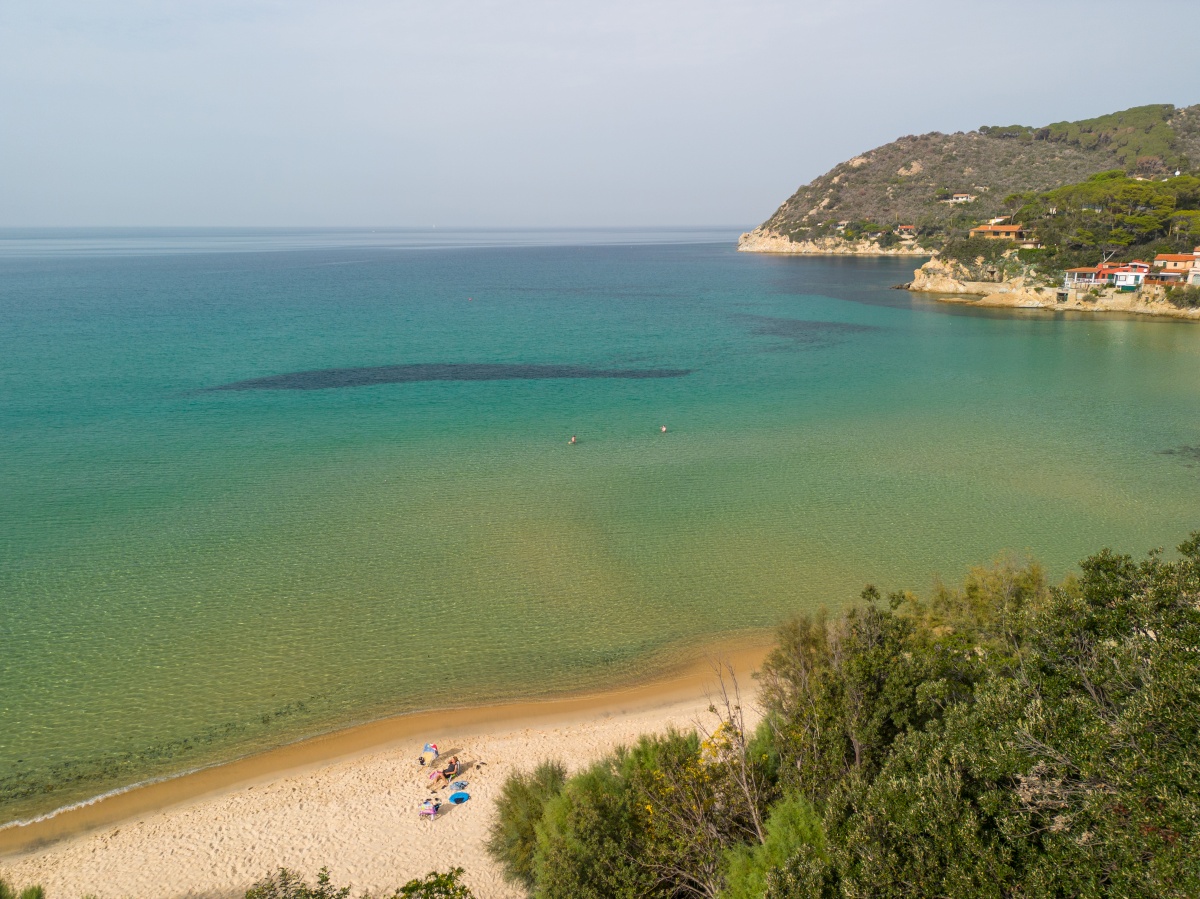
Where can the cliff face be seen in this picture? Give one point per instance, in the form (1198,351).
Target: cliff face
(762,240)
(952,282)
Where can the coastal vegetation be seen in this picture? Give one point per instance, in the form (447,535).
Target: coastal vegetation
(914,180)
(290,885)
(1004,738)
(1109,217)
(1113,215)
(30,892)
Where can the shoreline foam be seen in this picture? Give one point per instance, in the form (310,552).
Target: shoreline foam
(218,829)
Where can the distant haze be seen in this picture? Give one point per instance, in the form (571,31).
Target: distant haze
(526,113)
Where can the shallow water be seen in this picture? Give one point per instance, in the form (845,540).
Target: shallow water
(189,572)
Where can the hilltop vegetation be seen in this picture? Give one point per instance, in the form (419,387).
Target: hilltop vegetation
(1005,739)
(908,180)
(1108,215)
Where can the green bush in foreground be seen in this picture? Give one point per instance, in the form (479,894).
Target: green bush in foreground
(591,839)
(290,885)
(32,892)
(513,838)
(1000,740)
(793,825)
(1184,296)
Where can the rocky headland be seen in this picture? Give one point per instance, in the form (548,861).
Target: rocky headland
(949,281)
(763,240)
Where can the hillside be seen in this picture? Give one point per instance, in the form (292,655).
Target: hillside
(908,180)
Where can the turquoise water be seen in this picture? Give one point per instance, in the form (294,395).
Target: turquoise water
(187,574)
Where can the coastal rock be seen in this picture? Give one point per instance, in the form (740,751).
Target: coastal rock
(951,282)
(762,240)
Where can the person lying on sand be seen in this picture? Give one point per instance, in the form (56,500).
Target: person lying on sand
(447,774)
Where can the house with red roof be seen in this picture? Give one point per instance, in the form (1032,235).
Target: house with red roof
(1130,277)
(1000,232)
(1124,276)
(1175,262)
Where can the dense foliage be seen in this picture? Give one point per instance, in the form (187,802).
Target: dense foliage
(290,885)
(1113,212)
(1185,297)
(1140,138)
(519,808)
(1003,739)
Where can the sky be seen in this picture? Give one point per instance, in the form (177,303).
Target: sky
(527,113)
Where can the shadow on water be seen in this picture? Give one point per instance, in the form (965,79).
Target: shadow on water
(1189,455)
(804,333)
(333,378)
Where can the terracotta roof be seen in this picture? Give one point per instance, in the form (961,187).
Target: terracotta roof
(1174,257)
(999,228)
(1087,268)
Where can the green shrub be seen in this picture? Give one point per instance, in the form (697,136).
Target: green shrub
(522,801)
(590,839)
(793,823)
(290,885)
(31,892)
(436,885)
(973,248)
(806,875)
(1185,297)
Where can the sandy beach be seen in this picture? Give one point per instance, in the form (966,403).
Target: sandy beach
(356,813)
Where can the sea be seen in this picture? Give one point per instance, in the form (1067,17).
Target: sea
(256,485)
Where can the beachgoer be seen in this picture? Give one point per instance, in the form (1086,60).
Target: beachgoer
(447,774)
(571,442)
(664,429)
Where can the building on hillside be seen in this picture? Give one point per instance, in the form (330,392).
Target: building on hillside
(1122,275)
(1128,278)
(1108,268)
(1088,276)
(1001,232)
(1166,279)
(960,198)
(1176,262)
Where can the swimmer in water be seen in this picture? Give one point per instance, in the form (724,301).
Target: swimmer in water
(571,442)
(664,429)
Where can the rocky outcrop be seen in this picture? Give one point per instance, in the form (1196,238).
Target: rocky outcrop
(951,277)
(764,241)
(951,282)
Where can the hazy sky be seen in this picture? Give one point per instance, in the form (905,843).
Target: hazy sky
(530,112)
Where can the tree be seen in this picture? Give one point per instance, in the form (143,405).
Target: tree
(522,801)
(591,838)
